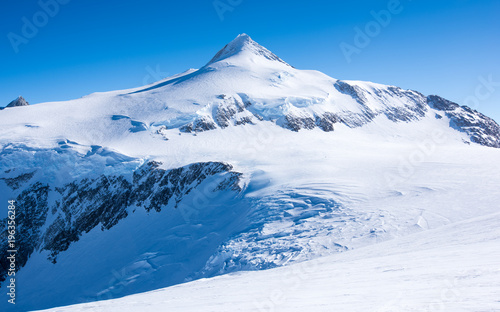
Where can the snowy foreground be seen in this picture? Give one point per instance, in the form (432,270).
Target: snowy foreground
(453,268)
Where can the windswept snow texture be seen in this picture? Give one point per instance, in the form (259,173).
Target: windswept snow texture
(249,164)
(454,268)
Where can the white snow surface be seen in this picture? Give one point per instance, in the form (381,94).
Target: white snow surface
(452,268)
(388,216)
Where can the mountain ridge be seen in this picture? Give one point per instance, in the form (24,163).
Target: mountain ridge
(245,83)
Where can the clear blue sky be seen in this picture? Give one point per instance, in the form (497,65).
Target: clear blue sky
(435,47)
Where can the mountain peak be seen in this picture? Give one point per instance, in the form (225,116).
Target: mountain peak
(242,45)
(20,101)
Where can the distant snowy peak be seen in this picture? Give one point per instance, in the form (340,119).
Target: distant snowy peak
(243,44)
(20,101)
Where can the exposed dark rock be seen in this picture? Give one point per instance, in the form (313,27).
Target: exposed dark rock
(31,213)
(441,104)
(243,121)
(15,183)
(354,91)
(199,125)
(326,121)
(227,110)
(411,106)
(351,119)
(82,205)
(480,128)
(20,101)
(295,123)
(414,106)
(414,109)
(162,131)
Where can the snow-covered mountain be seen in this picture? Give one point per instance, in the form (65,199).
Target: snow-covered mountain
(244,164)
(20,101)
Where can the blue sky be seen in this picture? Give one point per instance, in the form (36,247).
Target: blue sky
(445,47)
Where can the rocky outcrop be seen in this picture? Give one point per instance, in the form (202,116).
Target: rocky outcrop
(295,123)
(199,125)
(31,213)
(16,182)
(227,110)
(20,101)
(480,128)
(326,121)
(414,106)
(394,103)
(354,91)
(80,206)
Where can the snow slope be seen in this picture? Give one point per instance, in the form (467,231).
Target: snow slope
(244,164)
(297,210)
(453,268)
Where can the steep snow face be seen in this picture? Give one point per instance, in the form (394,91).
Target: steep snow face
(262,165)
(243,47)
(480,128)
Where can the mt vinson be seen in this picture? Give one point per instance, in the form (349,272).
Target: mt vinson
(249,164)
